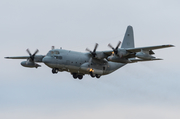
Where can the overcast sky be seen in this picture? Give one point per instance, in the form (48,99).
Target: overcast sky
(141,90)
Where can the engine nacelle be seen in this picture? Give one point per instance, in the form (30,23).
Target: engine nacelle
(122,52)
(100,55)
(143,55)
(38,58)
(118,59)
(29,64)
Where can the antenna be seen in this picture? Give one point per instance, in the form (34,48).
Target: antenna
(52,47)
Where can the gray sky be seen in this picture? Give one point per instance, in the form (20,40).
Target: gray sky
(142,90)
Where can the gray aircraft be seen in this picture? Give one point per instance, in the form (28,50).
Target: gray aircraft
(95,63)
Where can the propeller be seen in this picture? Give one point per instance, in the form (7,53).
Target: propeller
(32,55)
(115,49)
(93,53)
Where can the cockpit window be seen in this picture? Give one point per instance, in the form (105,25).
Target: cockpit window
(52,53)
(59,57)
(56,52)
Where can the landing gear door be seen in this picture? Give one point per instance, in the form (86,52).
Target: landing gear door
(104,68)
(67,63)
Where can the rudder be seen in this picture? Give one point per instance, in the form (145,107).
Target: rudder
(128,41)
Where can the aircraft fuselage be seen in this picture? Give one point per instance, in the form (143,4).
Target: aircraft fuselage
(79,63)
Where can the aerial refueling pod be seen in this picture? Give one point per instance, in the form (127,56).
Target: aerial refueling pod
(144,55)
(118,59)
(30,64)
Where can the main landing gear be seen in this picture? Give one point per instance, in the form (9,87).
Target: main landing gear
(79,76)
(54,70)
(94,75)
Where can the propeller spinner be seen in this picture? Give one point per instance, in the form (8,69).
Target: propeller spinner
(93,53)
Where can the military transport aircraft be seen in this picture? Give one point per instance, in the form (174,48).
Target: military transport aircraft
(95,63)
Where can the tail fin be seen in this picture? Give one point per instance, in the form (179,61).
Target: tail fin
(128,41)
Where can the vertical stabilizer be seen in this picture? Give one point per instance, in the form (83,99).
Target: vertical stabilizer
(128,41)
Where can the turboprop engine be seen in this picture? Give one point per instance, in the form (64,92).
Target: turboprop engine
(122,52)
(97,55)
(30,61)
(30,64)
(119,52)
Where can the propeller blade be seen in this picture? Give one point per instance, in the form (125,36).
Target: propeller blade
(118,45)
(28,52)
(94,51)
(115,49)
(96,45)
(88,50)
(111,46)
(35,52)
(32,56)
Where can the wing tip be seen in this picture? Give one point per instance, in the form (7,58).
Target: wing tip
(157,59)
(169,45)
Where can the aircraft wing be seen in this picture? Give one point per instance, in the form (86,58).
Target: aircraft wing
(105,54)
(108,53)
(24,57)
(140,60)
(37,58)
(18,57)
(148,48)
(133,50)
